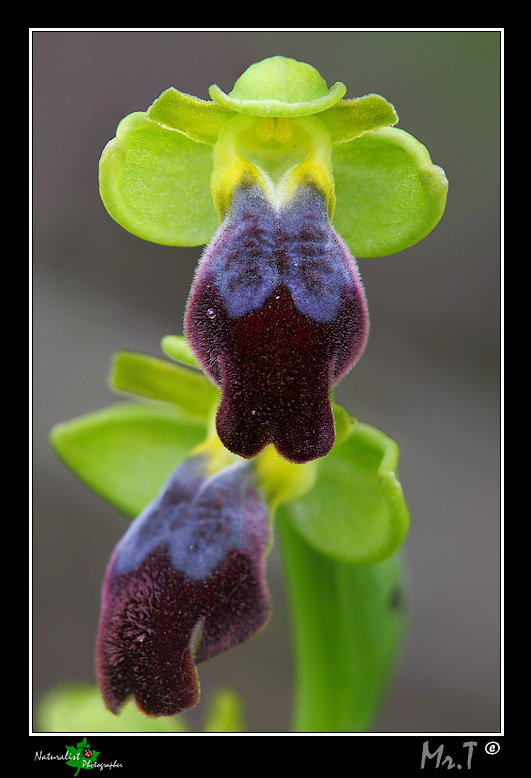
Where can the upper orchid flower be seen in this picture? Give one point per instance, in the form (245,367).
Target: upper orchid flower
(273,174)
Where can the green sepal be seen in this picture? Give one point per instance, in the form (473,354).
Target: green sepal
(126,452)
(148,376)
(389,194)
(348,626)
(349,119)
(279,87)
(356,512)
(155,182)
(200,120)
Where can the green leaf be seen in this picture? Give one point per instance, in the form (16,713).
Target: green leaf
(356,511)
(155,182)
(348,624)
(157,379)
(349,119)
(126,452)
(389,195)
(82,756)
(80,708)
(74,758)
(200,120)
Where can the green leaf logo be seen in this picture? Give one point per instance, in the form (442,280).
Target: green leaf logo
(82,756)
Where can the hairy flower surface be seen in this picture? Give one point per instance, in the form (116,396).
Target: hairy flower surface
(276,316)
(185,583)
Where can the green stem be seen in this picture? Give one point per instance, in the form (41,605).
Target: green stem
(348,624)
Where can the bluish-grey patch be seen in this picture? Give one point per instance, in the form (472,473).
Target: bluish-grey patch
(317,268)
(261,248)
(244,268)
(200,519)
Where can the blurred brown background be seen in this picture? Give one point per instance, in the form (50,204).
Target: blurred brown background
(430,376)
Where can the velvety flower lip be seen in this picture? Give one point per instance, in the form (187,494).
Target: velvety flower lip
(185,583)
(276,316)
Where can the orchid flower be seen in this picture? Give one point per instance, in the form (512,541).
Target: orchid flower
(185,583)
(288,182)
(188,579)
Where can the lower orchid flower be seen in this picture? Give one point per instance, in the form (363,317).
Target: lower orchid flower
(185,583)
(187,579)
(276,316)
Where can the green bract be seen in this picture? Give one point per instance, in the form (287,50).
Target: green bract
(169,173)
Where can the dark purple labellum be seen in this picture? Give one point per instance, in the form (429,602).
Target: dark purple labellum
(276,316)
(185,583)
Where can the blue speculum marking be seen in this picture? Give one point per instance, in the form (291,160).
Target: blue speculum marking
(199,518)
(276,316)
(262,248)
